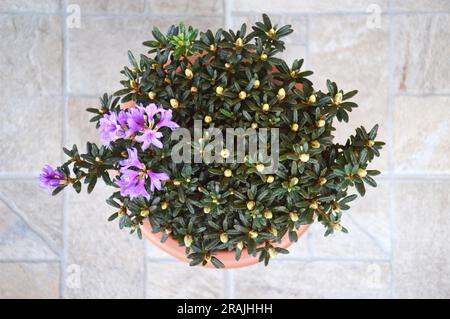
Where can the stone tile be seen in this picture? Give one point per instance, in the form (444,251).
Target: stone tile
(94,67)
(304,6)
(32,67)
(31,135)
(154,253)
(333,56)
(80,129)
(421,54)
(299,25)
(111,261)
(186,7)
(111,6)
(421,246)
(29,280)
(317,279)
(420,135)
(42,211)
(420,5)
(179,280)
(18,240)
(27,5)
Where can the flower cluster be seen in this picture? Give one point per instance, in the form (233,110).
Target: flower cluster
(51,178)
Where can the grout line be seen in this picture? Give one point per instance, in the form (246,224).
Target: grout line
(28,261)
(229,284)
(18,175)
(412,94)
(65,129)
(145,267)
(228,17)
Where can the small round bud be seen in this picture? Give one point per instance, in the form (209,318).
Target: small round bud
(322,181)
(145,212)
(240,245)
(227,66)
(265,107)
(272,252)
(151,95)
(337,227)
(253,234)
(260,167)
(268,214)
(312,99)
(293,73)
(313,205)
(189,74)
(164,205)
(338,98)
(194,90)
(304,157)
(270,179)
(272,33)
(212,48)
(207,210)
(256,84)
(228,173)
(133,84)
(362,172)
(250,205)
(98,159)
(315,144)
(264,57)
(208,119)
(281,94)
(254,125)
(294,127)
(294,181)
(188,240)
(208,257)
(168,230)
(293,216)
(370,143)
(239,43)
(320,123)
(225,153)
(219,90)
(242,95)
(224,238)
(174,103)
(176,183)
(273,231)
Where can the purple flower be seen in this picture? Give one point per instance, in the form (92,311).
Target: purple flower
(109,127)
(156,179)
(132,184)
(166,121)
(132,160)
(150,137)
(51,178)
(135,120)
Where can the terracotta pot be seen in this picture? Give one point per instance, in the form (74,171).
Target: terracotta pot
(172,247)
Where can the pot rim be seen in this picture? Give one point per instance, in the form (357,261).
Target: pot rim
(171,247)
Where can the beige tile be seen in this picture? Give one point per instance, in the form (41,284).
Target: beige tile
(32,67)
(420,5)
(30,5)
(95,67)
(421,53)
(317,279)
(29,280)
(31,133)
(356,57)
(41,210)
(111,6)
(80,129)
(304,6)
(110,260)
(179,280)
(421,130)
(421,267)
(186,7)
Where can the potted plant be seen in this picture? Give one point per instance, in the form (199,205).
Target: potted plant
(223,212)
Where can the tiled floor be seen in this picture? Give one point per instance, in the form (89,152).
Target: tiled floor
(398,245)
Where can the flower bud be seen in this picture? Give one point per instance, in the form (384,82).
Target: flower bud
(312,99)
(174,103)
(304,157)
(208,257)
(212,48)
(242,95)
(219,90)
(225,153)
(272,252)
(370,143)
(272,33)
(293,73)
(270,179)
(264,57)
(194,90)
(256,84)
(281,94)
(188,240)
(322,181)
(164,205)
(240,245)
(313,204)
(254,125)
(273,231)
(293,216)
(133,84)
(294,181)
(227,66)
(260,167)
(224,238)
(294,127)
(253,234)
(207,210)
(315,144)
(208,119)
(338,98)
(176,183)
(250,205)
(145,212)
(266,107)
(320,123)
(151,95)
(268,214)
(228,173)
(189,74)
(337,227)
(239,43)
(168,230)
(362,172)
